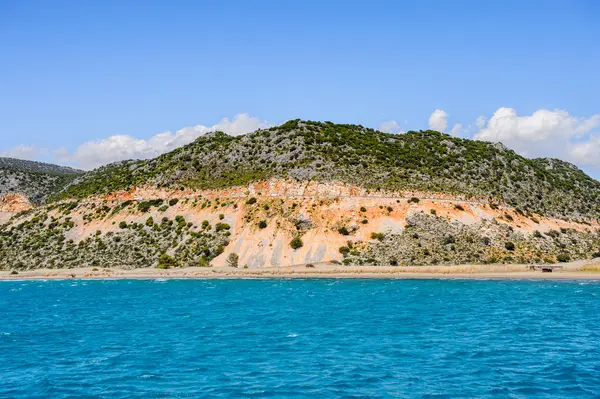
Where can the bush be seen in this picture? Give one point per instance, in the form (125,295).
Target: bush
(363,209)
(262,224)
(123,225)
(173,201)
(509,246)
(596,255)
(459,207)
(166,262)
(232,260)
(433,212)
(251,201)
(563,258)
(414,200)
(343,231)
(221,216)
(377,236)
(296,243)
(344,250)
(222,226)
(150,222)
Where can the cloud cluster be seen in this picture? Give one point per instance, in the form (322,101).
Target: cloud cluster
(545,133)
(390,127)
(27,152)
(438,120)
(120,147)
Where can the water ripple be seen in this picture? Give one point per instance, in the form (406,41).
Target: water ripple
(299,338)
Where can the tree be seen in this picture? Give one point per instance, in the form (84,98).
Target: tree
(150,222)
(232,260)
(123,225)
(262,224)
(343,231)
(166,262)
(296,243)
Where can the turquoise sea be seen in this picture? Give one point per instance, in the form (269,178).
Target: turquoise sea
(299,339)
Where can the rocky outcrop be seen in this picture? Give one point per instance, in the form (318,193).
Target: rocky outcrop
(279,223)
(14,203)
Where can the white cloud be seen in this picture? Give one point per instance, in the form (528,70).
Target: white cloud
(120,147)
(438,120)
(456,130)
(544,133)
(480,121)
(586,153)
(391,127)
(21,152)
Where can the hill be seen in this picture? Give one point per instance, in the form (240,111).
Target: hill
(35,180)
(304,193)
(326,152)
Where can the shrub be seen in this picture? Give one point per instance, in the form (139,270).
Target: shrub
(173,201)
(163,208)
(364,221)
(251,201)
(123,225)
(296,243)
(363,209)
(221,216)
(205,224)
(433,212)
(596,255)
(166,262)
(377,236)
(343,231)
(563,258)
(414,200)
(537,234)
(150,222)
(222,226)
(13,272)
(344,250)
(459,207)
(262,224)
(509,246)
(232,260)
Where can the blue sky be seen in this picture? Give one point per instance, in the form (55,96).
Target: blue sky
(79,72)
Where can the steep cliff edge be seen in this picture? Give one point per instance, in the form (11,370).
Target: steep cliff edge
(283,223)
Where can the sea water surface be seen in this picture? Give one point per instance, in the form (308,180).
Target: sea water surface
(299,338)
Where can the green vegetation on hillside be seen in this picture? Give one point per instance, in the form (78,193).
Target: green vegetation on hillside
(303,150)
(35,180)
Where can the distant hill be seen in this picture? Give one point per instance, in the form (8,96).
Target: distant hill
(36,180)
(323,151)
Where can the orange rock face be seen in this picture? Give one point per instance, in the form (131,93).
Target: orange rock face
(14,203)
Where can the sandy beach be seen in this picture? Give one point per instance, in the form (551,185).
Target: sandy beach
(574,270)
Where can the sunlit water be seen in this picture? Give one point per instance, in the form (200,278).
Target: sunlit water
(299,338)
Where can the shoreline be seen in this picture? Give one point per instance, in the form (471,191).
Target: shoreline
(497,272)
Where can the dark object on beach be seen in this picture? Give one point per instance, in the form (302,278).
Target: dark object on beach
(546,270)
